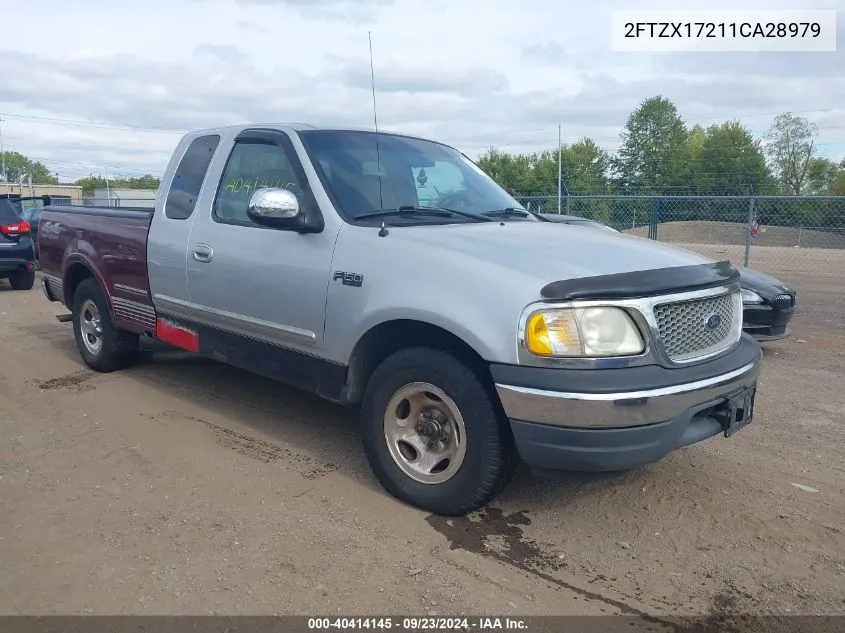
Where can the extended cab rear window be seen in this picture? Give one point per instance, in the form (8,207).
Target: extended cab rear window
(187,181)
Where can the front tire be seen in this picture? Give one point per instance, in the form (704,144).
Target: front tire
(102,346)
(433,434)
(22,279)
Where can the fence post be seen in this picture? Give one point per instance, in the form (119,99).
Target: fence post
(654,218)
(748,230)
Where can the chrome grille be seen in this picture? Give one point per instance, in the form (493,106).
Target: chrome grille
(783,301)
(699,327)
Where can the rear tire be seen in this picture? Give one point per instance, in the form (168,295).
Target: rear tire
(102,346)
(22,279)
(433,434)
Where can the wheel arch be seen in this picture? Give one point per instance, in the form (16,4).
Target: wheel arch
(388,337)
(76,271)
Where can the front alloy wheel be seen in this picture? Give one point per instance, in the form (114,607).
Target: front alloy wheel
(433,433)
(425,433)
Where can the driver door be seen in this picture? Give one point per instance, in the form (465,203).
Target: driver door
(253,282)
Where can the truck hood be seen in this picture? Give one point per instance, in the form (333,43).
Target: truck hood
(546,251)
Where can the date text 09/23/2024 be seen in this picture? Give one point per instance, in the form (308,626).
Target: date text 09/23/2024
(418,623)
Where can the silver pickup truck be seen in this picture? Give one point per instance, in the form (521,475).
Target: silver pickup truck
(388,272)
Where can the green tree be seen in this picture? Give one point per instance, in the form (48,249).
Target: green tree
(20,167)
(731,162)
(92,182)
(652,149)
(585,167)
(822,173)
(837,185)
(584,170)
(790,149)
(692,169)
(543,167)
(512,171)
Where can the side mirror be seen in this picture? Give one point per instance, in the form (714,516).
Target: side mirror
(273,207)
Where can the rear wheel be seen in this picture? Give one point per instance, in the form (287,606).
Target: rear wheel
(103,347)
(432,433)
(22,279)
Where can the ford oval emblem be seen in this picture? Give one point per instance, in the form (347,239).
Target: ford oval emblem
(713,321)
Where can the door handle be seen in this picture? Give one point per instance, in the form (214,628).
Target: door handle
(202,253)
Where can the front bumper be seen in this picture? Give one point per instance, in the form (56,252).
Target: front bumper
(766,322)
(605,420)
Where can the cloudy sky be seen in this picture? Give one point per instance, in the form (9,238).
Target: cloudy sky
(99,84)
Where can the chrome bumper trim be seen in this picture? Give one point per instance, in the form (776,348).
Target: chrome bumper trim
(621,409)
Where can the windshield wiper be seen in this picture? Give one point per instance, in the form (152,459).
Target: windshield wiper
(509,212)
(409,210)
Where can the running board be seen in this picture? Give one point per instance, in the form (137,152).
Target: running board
(64,318)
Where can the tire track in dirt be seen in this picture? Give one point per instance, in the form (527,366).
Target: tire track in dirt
(78,382)
(255,448)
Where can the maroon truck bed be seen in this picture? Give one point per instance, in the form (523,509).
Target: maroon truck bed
(108,243)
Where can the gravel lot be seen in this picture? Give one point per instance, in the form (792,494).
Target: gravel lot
(186,486)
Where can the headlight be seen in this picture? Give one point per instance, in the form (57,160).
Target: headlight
(582,332)
(749,296)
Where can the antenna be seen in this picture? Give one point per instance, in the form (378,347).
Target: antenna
(375,123)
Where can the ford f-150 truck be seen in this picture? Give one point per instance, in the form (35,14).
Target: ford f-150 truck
(388,272)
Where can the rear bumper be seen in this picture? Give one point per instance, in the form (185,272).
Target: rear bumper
(12,264)
(16,255)
(615,426)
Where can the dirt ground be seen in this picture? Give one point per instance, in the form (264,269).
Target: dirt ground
(186,486)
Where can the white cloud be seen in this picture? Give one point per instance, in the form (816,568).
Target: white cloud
(474,73)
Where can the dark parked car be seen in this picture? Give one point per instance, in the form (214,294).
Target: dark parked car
(17,253)
(768,303)
(30,209)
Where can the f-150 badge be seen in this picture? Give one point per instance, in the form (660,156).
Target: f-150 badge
(349,279)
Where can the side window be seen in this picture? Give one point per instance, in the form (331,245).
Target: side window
(253,165)
(437,182)
(187,181)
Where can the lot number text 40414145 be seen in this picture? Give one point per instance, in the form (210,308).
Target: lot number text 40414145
(420,623)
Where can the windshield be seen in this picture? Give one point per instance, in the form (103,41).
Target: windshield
(414,172)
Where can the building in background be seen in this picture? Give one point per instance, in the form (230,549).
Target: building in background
(123,197)
(27,190)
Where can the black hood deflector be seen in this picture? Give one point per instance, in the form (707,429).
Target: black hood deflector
(642,283)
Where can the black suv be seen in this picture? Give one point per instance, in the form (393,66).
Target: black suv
(17,250)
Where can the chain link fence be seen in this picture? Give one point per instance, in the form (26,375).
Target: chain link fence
(798,239)
(716,225)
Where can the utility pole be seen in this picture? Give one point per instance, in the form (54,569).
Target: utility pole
(2,154)
(559,167)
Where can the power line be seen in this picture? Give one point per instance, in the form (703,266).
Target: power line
(81,123)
